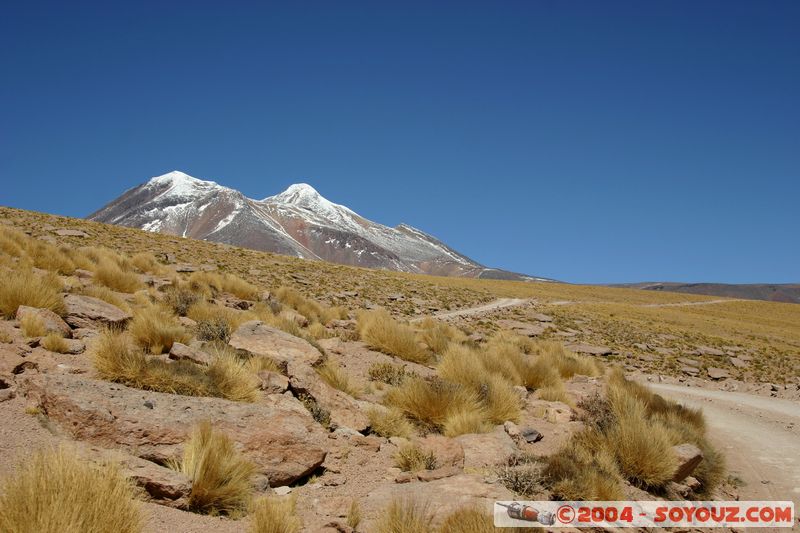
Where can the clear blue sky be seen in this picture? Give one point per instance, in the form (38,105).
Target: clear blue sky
(585,141)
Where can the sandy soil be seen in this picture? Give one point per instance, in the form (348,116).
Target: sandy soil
(502,303)
(759,435)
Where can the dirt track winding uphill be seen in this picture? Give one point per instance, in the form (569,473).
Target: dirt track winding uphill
(501,303)
(760,437)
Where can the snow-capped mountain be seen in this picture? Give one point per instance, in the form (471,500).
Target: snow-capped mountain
(298,222)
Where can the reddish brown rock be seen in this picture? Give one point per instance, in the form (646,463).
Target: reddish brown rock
(278,434)
(689,456)
(486,449)
(88,312)
(344,409)
(257,338)
(51,321)
(180,351)
(448,452)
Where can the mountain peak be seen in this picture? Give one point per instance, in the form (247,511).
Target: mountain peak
(180,183)
(299,194)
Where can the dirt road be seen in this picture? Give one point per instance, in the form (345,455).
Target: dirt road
(760,437)
(478,310)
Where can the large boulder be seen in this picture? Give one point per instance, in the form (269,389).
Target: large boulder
(486,449)
(257,338)
(88,312)
(278,434)
(51,321)
(344,409)
(689,456)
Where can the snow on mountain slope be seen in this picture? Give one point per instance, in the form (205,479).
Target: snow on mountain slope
(299,221)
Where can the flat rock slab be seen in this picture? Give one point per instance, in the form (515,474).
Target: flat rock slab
(70,233)
(278,434)
(523,328)
(589,349)
(89,312)
(486,449)
(257,338)
(344,409)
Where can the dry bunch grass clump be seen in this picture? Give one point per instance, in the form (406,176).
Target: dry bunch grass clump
(54,342)
(180,297)
(470,519)
(32,325)
(146,262)
(312,310)
(567,363)
(112,275)
(475,370)
(438,335)
(412,458)
(221,477)
(155,329)
(381,332)
(56,492)
(405,516)
(274,515)
(212,283)
(335,376)
(214,322)
(389,423)
(27,288)
(354,514)
(115,359)
(435,404)
(388,373)
(50,257)
(632,439)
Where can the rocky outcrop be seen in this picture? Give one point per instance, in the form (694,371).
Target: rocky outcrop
(257,338)
(51,321)
(486,449)
(88,312)
(689,456)
(278,434)
(182,352)
(344,409)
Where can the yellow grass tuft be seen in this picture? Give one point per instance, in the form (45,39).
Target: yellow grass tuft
(381,332)
(354,514)
(54,342)
(33,290)
(405,516)
(55,492)
(412,458)
(155,329)
(146,262)
(432,403)
(465,422)
(335,376)
(274,515)
(389,423)
(213,283)
(221,476)
(437,335)
(115,359)
(32,325)
(110,274)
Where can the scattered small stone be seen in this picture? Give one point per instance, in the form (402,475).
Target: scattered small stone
(149,404)
(531,435)
(282,491)
(718,373)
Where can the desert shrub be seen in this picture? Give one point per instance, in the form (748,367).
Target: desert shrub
(274,515)
(432,403)
(389,423)
(27,288)
(320,415)
(156,330)
(180,299)
(214,323)
(221,477)
(381,332)
(388,373)
(521,474)
(56,492)
(116,359)
(32,325)
(55,343)
(110,274)
(412,458)
(335,376)
(405,516)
